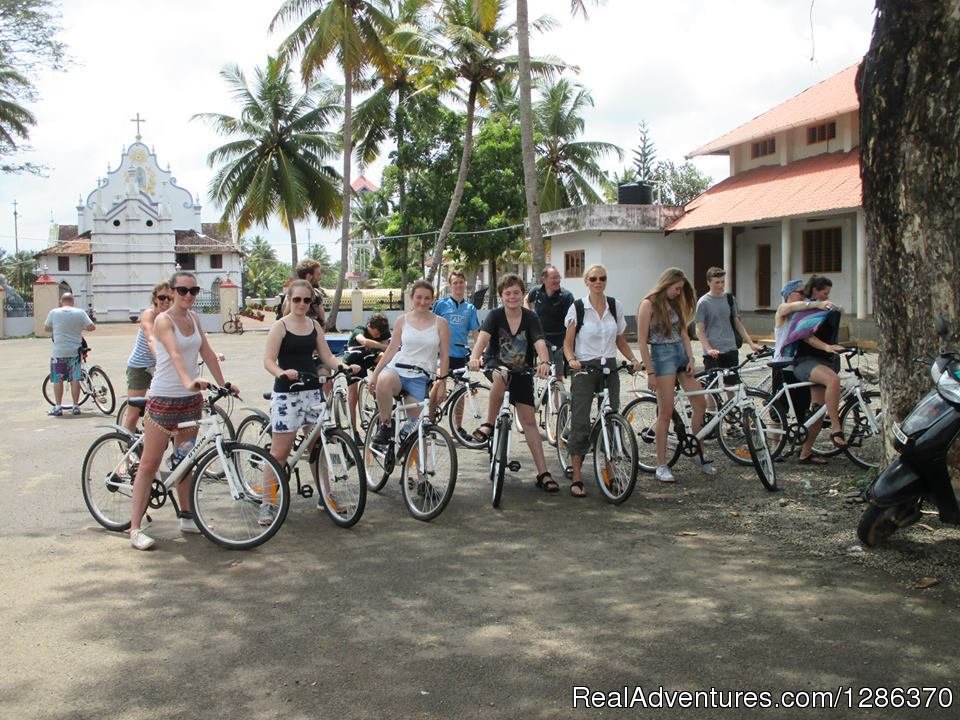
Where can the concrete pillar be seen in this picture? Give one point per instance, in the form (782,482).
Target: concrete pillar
(728,256)
(861,240)
(229,298)
(407,300)
(356,307)
(785,252)
(3,309)
(46,297)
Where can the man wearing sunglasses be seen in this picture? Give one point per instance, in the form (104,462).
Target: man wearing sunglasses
(551,302)
(309,270)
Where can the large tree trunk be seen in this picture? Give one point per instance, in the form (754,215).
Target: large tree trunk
(293,244)
(399,131)
(909,135)
(345,220)
(526,139)
(460,186)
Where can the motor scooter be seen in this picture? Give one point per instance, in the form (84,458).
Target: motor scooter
(928,443)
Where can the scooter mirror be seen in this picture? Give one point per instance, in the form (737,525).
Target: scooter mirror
(941,323)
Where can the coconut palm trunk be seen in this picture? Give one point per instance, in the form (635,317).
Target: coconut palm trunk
(528,154)
(345,220)
(460,186)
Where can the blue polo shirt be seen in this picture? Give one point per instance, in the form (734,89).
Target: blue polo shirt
(462,318)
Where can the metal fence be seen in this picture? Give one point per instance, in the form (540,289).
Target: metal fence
(16,307)
(207,302)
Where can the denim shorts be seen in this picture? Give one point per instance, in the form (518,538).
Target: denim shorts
(415,387)
(668,358)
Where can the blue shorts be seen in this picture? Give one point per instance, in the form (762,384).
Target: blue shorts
(668,359)
(415,387)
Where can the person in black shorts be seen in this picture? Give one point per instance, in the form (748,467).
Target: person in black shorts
(364,346)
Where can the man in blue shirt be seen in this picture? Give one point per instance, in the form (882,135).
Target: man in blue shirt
(66,323)
(461,316)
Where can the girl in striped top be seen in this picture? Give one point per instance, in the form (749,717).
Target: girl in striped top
(143,359)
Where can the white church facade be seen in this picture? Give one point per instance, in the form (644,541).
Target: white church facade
(133,230)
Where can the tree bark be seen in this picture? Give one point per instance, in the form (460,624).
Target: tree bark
(531,191)
(345,220)
(909,88)
(459,188)
(293,244)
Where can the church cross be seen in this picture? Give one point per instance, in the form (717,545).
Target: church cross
(138,120)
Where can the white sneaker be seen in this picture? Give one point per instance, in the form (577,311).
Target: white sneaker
(266,515)
(705,464)
(139,540)
(187,525)
(664,475)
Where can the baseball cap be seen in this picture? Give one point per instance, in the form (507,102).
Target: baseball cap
(790,287)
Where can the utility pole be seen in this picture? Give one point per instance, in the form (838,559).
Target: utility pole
(16,250)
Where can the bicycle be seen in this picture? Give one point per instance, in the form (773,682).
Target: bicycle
(615,453)
(549,394)
(738,404)
(234,324)
(498,444)
(426,454)
(468,399)
(94,383)
(861,417)
(230,481)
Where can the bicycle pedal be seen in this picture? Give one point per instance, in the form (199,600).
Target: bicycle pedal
(305,491)
(513,466)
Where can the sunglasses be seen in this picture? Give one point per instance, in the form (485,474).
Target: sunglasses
(194,291)
(594,278)
(164,298)
(298,300)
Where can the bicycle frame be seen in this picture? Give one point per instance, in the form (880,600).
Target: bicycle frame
(739,399)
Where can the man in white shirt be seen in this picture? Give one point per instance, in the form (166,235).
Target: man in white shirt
(67,324)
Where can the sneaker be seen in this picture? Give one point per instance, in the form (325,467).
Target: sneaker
(664,475)
(267,513)
(384,434)
(139,540)
(188,525)
(76,410)
(56,411)
(705,464)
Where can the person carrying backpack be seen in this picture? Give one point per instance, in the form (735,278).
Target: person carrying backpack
(719,327)
(551,302)
(595,327)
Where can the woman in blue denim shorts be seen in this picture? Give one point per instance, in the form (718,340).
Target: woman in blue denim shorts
(662,320)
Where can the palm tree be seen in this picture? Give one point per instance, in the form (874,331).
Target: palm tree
(352,30)
(274,162)
(397,91)
(567,167)
(14,118)
(475,49)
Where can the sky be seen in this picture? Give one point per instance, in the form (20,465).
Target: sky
(692,69)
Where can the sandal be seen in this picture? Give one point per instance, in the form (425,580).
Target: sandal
(481,436)
(579,485)
(811,459)
(838,439)
(545,480)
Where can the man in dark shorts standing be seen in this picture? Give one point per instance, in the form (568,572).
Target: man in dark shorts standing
(550,302)
(717,315)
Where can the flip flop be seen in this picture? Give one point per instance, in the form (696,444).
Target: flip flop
(811,459)
(546,482)
(579,485)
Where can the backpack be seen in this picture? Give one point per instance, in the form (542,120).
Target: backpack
(733,323)
(580,310)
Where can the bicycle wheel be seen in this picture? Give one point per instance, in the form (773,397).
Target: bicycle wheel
(563,432)
(366,404)
(257,480)
(498,459)
(641,413)
(734,443)
(343,483)
(427,485)
(229,433)
(228,327)
(106,480)
(239,326)
(864,444)
(341,414)
(254,429)
(374,462)
(549,410)
(47,389)
(754,431)
(102,390)
(616,470)
(470,405)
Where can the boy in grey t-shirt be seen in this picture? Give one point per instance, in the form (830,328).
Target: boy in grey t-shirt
(713,324)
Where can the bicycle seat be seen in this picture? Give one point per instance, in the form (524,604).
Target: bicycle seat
(268,395)
(781,364)
(138,402)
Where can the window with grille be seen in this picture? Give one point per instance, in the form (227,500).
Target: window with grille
(764,147)
(821,133)
(63,263)
(216,262)
(573,264)
(822,250)
(187,261)
(89,263)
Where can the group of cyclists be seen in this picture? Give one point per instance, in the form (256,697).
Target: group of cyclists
(526,336)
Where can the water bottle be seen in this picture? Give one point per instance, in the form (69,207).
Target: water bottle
(407,427)
(181,452)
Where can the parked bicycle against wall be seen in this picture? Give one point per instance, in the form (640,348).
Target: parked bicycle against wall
(234,324)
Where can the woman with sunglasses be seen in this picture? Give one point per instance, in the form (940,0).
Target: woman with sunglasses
(593,344)
(291,345)
(173,398)
(143,359)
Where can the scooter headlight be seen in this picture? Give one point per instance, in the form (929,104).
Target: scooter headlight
(924,414)
(949,387)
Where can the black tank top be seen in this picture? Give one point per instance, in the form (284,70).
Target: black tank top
(296,353)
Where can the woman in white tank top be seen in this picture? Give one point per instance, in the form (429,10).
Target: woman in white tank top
(419,338)
(174,397)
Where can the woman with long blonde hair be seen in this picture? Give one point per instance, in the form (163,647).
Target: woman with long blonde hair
(662,320)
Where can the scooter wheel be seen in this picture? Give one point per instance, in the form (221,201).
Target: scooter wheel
(877,524)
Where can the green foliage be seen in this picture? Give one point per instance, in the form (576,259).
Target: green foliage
(263,274)
(645,154)
(20,271)
(679,184)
